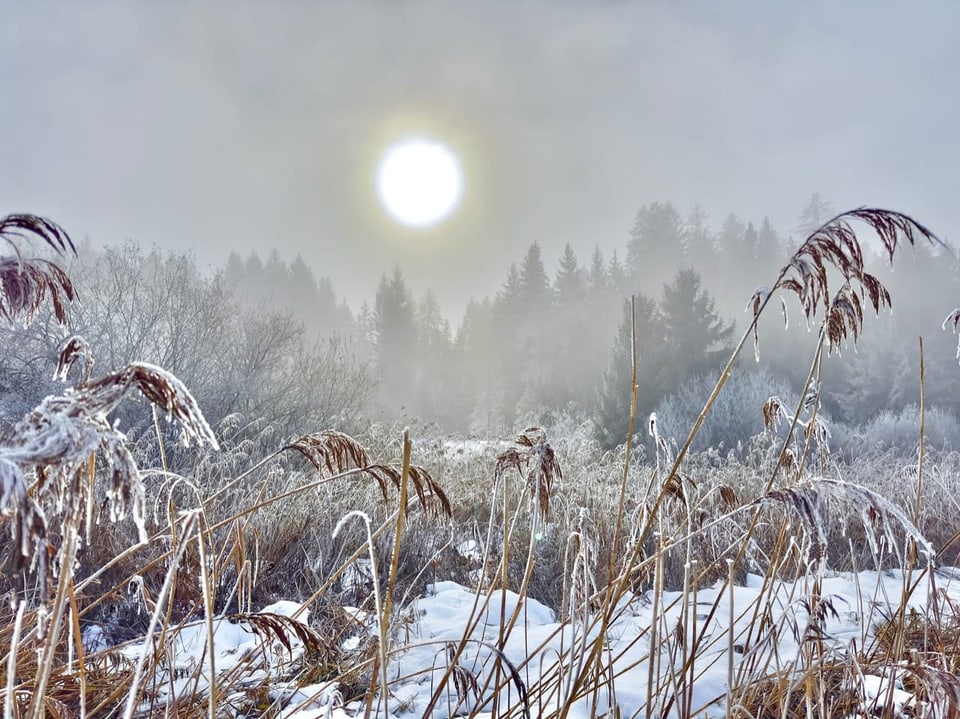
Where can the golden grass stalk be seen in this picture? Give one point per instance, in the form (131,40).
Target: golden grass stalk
(46,659)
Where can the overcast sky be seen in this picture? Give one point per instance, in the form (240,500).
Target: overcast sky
(214,127)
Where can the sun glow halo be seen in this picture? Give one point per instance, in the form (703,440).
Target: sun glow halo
(419,182)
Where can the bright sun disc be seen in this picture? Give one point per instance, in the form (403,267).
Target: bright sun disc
(419,182)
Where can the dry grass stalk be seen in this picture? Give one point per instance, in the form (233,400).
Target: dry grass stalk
(783,695)
(661,445)
(431,495)
(382,624)
(728,497)
(774,410)
(954,319)
(811,503)
(464,680)
(835,246)
(54,443)
(536,463)
(338,453)
(334,451)
(287,631)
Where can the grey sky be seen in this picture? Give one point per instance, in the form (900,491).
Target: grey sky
(240,126)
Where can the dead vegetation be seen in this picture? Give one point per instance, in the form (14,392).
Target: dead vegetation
(100,545)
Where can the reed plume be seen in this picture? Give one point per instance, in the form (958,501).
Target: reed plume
(26,282)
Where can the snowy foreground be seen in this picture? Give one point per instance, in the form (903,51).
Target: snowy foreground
(852,606)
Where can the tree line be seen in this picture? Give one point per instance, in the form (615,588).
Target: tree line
(270,339)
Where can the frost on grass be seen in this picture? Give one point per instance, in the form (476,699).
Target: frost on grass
(812,501)
(54,448)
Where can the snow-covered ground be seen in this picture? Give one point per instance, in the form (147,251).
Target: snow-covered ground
(851,607)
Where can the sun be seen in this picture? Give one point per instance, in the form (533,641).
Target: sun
(419,182)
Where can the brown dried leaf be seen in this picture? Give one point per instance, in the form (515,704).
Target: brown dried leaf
(674,489)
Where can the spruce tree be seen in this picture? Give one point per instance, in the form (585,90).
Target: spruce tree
(655,248)
(570,282)
(396,341)
(598,280)
(696,338)
(814,215)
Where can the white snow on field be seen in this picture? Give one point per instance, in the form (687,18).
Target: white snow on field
(857,605)
(853,605)
(241,654)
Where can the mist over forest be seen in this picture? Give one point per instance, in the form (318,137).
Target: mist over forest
(225,170)
(274,341)
(445,358)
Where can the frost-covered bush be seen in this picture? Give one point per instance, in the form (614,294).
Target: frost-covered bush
(901,431)
(736,416)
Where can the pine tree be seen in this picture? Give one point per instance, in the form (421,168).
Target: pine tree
(434,361)
(618,278)
(480,384)
(696,338)
(655,248)
(253,284)
(276,280)
(535,291)
(524,308)
(364,331)
(814,215)
(433,329)
(234,272)
(883,374)
(509,297)
(880,375)
(570,282)
(771,253)
(698,247)
(301,296)
(395,334)
(750,245)
(729,242)
(569,334)
(598,281)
